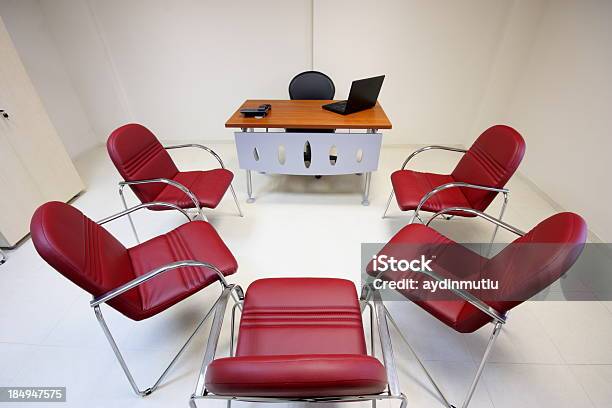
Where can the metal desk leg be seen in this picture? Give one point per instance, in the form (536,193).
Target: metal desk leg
(368,177)
(251,199)
(366,189)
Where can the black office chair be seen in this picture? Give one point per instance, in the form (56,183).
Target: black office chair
(312,85)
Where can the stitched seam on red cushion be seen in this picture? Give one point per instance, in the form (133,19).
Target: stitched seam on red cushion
(491,160)
(193,273)
(330,309)
(141,158)
(179,255)
(92,254)
(253,326)
(96,252)
(314,381)
(492,168)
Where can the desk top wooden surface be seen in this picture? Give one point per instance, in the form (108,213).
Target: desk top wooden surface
(308,114)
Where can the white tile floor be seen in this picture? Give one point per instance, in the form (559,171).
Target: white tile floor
(550,353)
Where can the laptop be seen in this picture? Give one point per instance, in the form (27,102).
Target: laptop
(363,95)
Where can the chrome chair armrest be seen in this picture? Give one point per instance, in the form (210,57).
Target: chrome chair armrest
(151,274)
(173,183)
(370,292)
(140,206)
(432,147)
(198,146)
(213,339)
(386,345)
(480,214)
(455,184)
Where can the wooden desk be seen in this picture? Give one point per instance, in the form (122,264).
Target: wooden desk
(283,152)
(308,115)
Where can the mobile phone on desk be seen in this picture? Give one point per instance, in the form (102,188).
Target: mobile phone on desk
(260,111)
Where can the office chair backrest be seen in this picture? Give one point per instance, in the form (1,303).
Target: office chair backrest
(82,251)
(311,85)
(536,260)
(490,161)
(138,155)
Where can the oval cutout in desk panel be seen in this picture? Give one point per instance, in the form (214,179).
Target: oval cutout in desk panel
(256,154)
(307,154)
(333,155)
(282,156)
(359,155)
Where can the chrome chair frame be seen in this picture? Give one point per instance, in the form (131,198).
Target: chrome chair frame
(376,309)
(504,191)
(96,302)
(188,193)
(497,318)
(3,257)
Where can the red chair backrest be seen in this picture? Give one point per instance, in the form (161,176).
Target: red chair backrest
(490,161)
(138,155)
(536,260)
(82,251)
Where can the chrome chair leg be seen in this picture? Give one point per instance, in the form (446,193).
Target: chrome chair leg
(429,377)
(125,207)
(236,200)
(2,257)
(233,328)
(368,305)
(483,361)
(388,203)
(125,368)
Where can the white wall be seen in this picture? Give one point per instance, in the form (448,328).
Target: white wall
(515,46)
(179,67)
(182,67)
(435,55)
(78,40)
(30,34)
(563,105)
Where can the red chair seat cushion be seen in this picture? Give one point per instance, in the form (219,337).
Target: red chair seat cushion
(196,240)
(299,337)
(208,186)
(450,260)
(296,375)
(411,186)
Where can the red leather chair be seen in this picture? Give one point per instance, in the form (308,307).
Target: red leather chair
(139,282)
(300,340)
(480,175)
(522,269)
(148,169)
